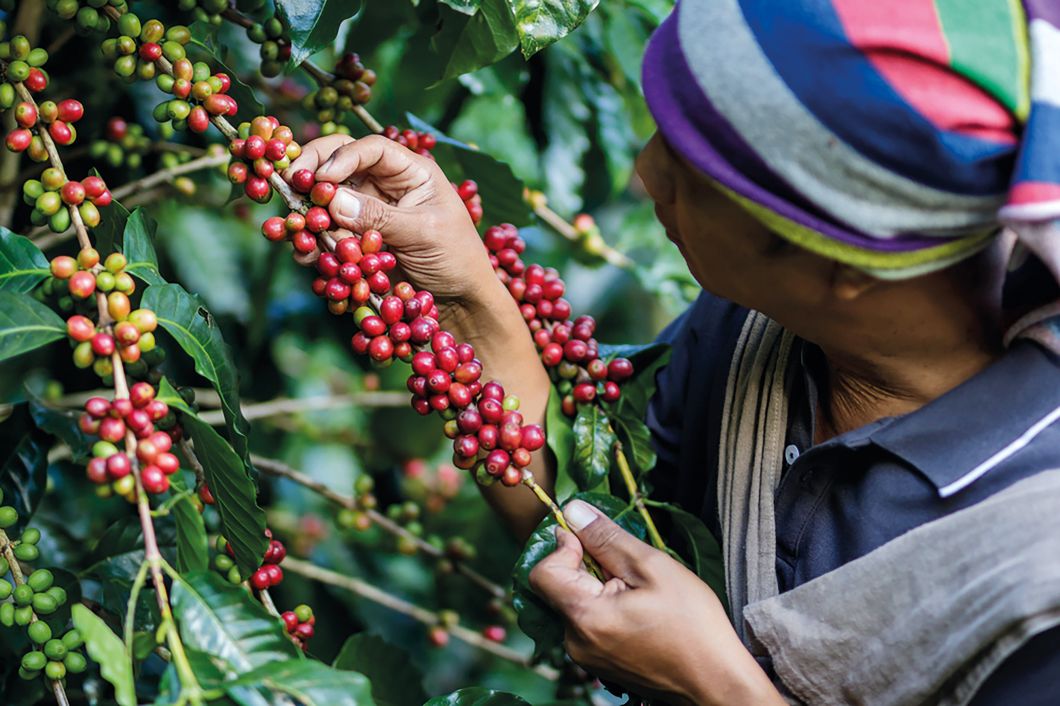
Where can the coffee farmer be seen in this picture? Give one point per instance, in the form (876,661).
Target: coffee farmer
(863,404)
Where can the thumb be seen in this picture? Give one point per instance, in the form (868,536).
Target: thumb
(617,551)
(360,212)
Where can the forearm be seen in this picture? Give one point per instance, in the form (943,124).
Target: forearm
(491,322)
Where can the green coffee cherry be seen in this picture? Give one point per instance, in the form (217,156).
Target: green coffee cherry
(40,580)
(26,552)
(30,535)
(44,604)
(58,594)
(39,632)
(234,577)
(223,562)
(129,25)
(8,516)
(7,614)
(23,595)
(5,589)
(75,662)
(24,615)
(72,639)
(33,661)
(55,671)
(3,566)
(54,649)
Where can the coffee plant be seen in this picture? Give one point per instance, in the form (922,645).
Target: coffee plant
(178,556)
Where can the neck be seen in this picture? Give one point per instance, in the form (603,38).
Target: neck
(926,342)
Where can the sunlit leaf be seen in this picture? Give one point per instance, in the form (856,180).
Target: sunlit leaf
(108,651)
(192,544)
(466,43)
(220,619)
(138,248)
(543,22)
(313,24)
(594,443)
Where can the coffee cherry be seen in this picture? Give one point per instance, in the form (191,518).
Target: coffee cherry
(260,579)
(619,369)
(82,284)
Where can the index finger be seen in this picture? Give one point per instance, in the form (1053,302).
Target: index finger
(316,152)
(386,161)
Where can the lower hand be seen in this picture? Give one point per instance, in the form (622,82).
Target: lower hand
(653,626)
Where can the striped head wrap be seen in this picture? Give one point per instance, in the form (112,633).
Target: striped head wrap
(897,137)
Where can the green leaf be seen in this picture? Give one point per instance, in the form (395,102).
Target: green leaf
(691,539)
(192,545)
(23,465)
(26,324)
(62,424)
(112,221)
(594,443)
(313,24)
(565,117)
(223,620)
(395,680)
(465,43)
(559,431)
(242,519)
(185,317)
(542,22)
(501,190)
(309,682)
(478,696)
(108,651)
(138,248)
(22,264)
(536,619)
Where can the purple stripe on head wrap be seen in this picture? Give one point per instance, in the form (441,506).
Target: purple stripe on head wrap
(693,127)
(1048,10)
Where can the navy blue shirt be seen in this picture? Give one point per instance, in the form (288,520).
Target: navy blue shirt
(851,494)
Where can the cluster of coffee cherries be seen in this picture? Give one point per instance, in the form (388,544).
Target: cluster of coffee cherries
(89,14)
(132,332)
(275,48)
(467,190)
(53,194)
(352,85)
(59,119)
(299,624)
(433,487)
(110,467)
(139,45)
(197,96)
(419,142)
(123,144)
(204,10)
(22,64)
(568,349)
(264,147)
(267,575)
(34,601)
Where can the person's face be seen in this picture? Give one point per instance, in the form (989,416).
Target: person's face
(728,251)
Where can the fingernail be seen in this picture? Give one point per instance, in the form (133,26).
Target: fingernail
(345,205)
(579,514)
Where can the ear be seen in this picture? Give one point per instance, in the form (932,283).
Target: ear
(849,283)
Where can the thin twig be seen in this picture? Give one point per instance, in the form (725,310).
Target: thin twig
(277,468)
(636,498)
(427,617)
(561,226)
(286,406)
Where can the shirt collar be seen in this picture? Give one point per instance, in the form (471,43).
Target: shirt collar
(961,436)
